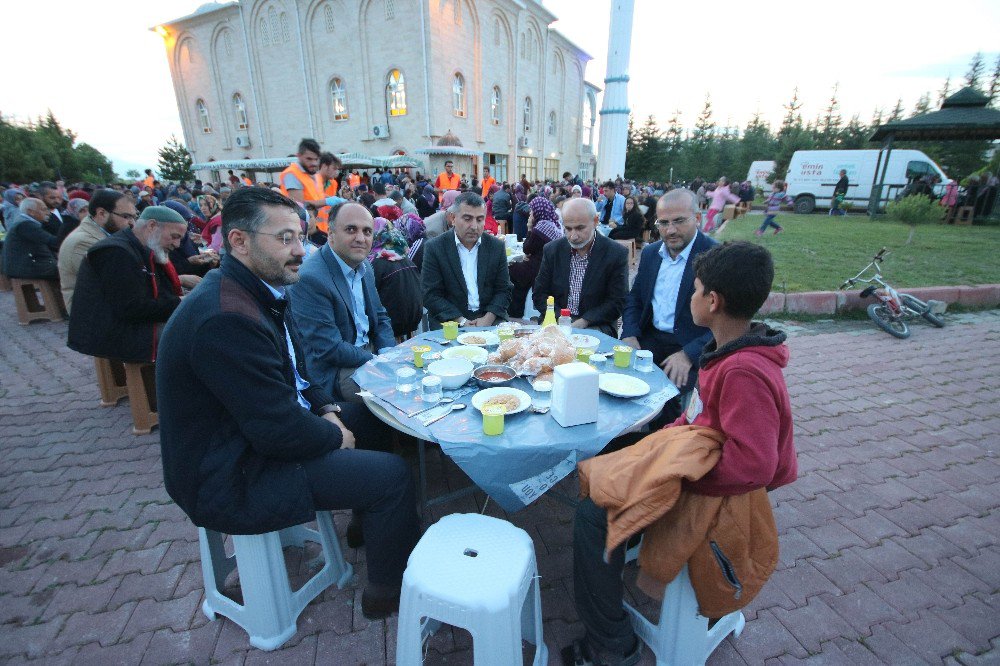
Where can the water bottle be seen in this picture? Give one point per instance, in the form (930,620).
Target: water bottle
(565,322)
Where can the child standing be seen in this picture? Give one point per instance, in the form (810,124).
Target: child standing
(772,206)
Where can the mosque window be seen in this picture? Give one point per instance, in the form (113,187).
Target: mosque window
(552,123)
(496,31)
(523,47)
(458,95)
(396,93)
(272,20)
(328,18)
(265,37)
(227,41)
(284,27)
(241,112)
(495,108)
(458,12)
(338,98)
(390,10)
(527,115)
(206,124)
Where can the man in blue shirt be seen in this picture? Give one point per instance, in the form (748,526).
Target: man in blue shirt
(610,206)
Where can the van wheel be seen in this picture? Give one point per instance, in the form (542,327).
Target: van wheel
(805,204)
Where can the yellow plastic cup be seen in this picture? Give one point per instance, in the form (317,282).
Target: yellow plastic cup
(505,333)
(450,329)
(418,355)
(583,354)
(493,420)
(623,356)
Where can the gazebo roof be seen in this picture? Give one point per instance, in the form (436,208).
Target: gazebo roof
(962,116)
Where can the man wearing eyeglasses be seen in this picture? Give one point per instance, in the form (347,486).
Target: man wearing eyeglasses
(657,312)
(336,305)
(108,212)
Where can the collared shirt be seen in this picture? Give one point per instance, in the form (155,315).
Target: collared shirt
(668,285)
(578,260)
(470,270)
(300,384)
(354,278)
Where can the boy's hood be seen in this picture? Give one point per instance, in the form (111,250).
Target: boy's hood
(760,339)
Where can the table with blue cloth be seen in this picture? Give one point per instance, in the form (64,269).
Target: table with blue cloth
(534,452)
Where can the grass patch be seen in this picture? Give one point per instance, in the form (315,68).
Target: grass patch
(818,252)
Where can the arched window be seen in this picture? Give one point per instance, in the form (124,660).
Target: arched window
(527,115)
(390,10)
(496,31)
(338,98)
(272,19)
(265,33)
(241,112)
(206,124)
(396,93)
(328,18)
(552,123)
(284,27)
(495,106)
(227,40)
(458,95)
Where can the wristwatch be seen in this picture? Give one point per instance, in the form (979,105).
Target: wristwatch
(326,409)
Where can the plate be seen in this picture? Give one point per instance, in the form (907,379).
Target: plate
(468,352)
(581,341)
(480,398)
(492,339)
(622,386)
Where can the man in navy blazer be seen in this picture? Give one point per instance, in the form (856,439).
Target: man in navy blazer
(336,307)
(657,312)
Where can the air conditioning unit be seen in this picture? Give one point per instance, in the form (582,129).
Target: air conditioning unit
(523,142)
(380,131)
(243,140)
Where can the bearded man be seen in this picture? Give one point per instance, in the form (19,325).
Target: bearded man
(127,289)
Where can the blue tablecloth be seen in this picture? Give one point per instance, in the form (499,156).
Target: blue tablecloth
(534,452)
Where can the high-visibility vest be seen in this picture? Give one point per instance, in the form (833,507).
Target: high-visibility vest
(446,182)
(487,184)
(247,182)
(354,180)
(312,186)
(324,213)
(148,182)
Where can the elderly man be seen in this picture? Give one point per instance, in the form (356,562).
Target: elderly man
(585,271)
(464,273)
(109,212)
(249,445)
(657,312)
(29,251)
(126,289)
(336,306)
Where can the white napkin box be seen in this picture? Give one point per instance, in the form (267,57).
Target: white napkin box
(575,394)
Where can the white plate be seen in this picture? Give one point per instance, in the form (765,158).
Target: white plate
(622,386)
(581,341)
(492,339)
(480,398)
(468,352)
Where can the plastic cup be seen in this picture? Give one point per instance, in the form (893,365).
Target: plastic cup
(623,355)
(418,354)
(450,329)
(430,389)
(541,394)
(644,360)
(493,420)
(583,354)
(406,379)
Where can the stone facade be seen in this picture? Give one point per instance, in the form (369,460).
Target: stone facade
(255,76)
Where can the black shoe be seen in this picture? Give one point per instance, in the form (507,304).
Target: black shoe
(378,605)
(355,535)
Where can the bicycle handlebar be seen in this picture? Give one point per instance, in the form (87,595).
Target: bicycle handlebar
(881,253)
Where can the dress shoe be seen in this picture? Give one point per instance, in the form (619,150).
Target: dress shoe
(379,602)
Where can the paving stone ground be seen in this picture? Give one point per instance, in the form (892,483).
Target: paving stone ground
(889,539)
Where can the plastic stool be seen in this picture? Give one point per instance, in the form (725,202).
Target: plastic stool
(682,637)
(269,608)
(477,573)
(140,381)
(110,381)
(37,300)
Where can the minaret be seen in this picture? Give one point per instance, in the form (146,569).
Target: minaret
(614,110)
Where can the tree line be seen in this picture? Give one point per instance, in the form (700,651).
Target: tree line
(708,151)
(44,150)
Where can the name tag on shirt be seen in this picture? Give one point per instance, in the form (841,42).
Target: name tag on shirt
(695,407)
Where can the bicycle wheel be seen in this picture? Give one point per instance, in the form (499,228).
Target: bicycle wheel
(922,309)
(879,314)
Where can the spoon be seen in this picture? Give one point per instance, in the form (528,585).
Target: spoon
(442,401)
(454,408)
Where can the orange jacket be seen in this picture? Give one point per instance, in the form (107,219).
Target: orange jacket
(354,180)
(487,184)
(445,182)
(312,186)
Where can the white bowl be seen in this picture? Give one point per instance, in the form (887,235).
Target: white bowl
(582,341)
(477,355)
(453,371)
(479,339)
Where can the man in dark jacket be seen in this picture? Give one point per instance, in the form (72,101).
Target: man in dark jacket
(502,204)
(29,251)
(249,445)
(127,289)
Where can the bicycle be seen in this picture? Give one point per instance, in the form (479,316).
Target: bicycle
(892,308)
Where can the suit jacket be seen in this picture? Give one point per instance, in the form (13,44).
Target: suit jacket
(29,252)
(445,294)
(637,318)
(605,284)
(322,306)
(72,253)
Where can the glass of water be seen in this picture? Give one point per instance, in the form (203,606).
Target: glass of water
(644,360)
(406,379)
(430,389)
(541,394)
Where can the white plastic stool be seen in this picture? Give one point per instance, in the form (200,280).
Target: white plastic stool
(682,637)
(269,608)
(477,573)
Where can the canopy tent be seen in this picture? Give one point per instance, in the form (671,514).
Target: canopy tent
(964,116)
(400,162)
(349,160)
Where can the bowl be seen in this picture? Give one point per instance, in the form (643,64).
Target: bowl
(453,371)
(477,355)
(486,370)
(588,342)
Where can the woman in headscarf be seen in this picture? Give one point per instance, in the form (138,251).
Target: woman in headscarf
(412,227)
(544,227)
(492,226)
(427,202)
(12,198)
(211,212)
(521,211)
(390,213)
(397,278)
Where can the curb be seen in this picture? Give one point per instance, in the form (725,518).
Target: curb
(833,302)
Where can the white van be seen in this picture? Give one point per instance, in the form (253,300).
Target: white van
(759,172)
(812,174)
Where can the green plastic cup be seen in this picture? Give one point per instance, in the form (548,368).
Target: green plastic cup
(623,356)
(450,329)
(418,355)
(493,420)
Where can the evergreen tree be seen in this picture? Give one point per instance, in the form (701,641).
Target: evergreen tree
(44,150)
(922,106)
(830,126)
(854,136)
(876,117)
(702,153)
(674,148)
(975,74)
(944,92)
(793,116)
(897,112)
(994,89)
(175,162)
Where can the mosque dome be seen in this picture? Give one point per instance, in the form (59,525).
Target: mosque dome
(450,139)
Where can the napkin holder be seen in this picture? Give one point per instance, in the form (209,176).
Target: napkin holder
(575,394)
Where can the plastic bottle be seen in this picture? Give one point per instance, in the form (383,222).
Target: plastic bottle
(565,322)
(550,312)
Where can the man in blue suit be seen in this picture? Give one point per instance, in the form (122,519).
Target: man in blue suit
(336,307)
(657,312)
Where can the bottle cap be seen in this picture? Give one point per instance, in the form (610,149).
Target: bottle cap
(564,312)
(550,300)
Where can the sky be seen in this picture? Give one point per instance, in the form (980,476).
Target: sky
(105,76)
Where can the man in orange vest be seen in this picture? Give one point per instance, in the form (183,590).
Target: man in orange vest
(329,169)
(488,182)
(148,180)
(354,180)
(300,181)
(448,179)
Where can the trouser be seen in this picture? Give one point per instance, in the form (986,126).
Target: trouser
(376,484)
(769,222)
(597,585)
(710,219)
(347,387)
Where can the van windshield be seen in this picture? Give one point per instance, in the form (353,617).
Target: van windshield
(918,168)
